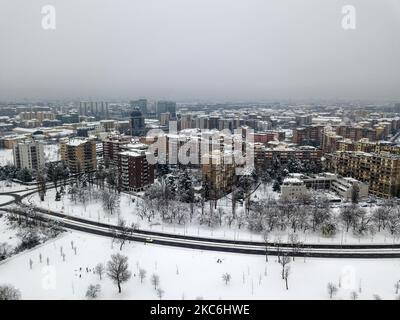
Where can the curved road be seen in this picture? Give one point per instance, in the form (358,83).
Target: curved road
(203,243)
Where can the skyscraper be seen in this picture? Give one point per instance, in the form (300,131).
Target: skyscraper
(96,109)
(141,104)
(138,127)
(166,106)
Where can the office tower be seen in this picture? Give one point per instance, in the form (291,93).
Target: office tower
(99,110)
(141,104)
(138,127)
(166,106)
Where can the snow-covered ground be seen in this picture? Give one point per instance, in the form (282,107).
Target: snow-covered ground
(128,211)
(6,157)
(189,274)
(4,199)
(7,233)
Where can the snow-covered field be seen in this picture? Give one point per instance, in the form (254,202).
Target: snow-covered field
(4,199)
(9,186)
(128,211)
(7,233)
(189,274)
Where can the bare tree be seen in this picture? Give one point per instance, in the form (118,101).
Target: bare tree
(320,211)
(284,261)
(296,244)
(180,213)
(110,201)
(266,239)
(155,280)
(286,274)
(220,213)
(8,292)
(117,269)
(121,235)
(226,277)
(353,295)
(381,215)
(93,291)
(229,219)
(397,286)
(393,221)
(160,293)
(347,216)
(100,269)
(332,290)
(142,275)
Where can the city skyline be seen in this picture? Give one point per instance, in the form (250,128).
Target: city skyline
(213,50)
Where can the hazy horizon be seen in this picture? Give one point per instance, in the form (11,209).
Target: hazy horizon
(192,50)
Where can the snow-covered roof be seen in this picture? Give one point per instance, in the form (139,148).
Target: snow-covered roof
(76,142)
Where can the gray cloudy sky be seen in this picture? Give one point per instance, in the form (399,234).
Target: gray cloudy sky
(200,49)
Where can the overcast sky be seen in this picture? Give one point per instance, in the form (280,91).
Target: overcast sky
(200,49)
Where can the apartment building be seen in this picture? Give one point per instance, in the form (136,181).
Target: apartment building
(79,154)
(112,146)
(97,109)
(283,153)
(293,188)
(267,136)
(29,155)
(297,185)
(377,147)
(218,169)
(356,133)
(380,170)
(135,171)
(310,135)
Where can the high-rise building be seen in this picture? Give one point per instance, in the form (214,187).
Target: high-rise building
(29,155)
(112,147)
(219,172)
(311,135)
(135,171)
(164,118)
(141,104)
(166,106)
(138,127)
(303,120)
(79,154)
(380,170)
(185,121)
(265,156)
(97,109)
(330,141)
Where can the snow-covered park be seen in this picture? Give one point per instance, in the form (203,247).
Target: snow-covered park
(189,274)
(128,210)
(5,199)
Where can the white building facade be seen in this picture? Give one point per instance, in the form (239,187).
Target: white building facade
(29,155)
